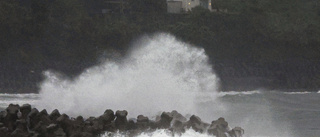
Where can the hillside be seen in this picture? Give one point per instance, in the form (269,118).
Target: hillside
(255,44)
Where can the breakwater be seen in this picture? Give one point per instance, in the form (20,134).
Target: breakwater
(23,121)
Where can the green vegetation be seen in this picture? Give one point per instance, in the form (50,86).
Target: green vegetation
(59,34)
(252,30)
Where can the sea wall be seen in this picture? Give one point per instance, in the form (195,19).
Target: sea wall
(24,121)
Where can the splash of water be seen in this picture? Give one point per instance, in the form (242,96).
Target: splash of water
(161,73)
(161,133)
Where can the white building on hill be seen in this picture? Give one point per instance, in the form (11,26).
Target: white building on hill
(180,6)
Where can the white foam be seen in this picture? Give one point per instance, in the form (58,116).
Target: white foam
(160,74)
(30,95)
(19,99)
(295,93)
(162,133)
(238,93)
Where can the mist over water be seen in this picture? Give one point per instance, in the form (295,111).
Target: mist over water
(159,74)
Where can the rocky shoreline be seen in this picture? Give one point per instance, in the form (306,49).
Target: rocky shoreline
(25,121)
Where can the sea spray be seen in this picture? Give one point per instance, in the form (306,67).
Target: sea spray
(161,73)
(161,133)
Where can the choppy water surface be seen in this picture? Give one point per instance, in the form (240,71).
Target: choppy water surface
(267,113)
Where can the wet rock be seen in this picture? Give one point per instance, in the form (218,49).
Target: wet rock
(79,123)
(59,133)
(25,109)
(196,124)
(51,128)
(121,119)
(177,116)
(236,132)
(66,124)
(44,117)
(32,118)
(97,127)
(178,127)
(4,132)
(89,121)
(11,116)
(195,119)
(54,114)
(34,112)
(64,118)
(12,109)
(19,133)
(142,122)
(107,116)
(44,112)
(165,120)
(3,114)
(41,124)
(21,124)
(41,129)
(142,118)
(131,125)
(219,128)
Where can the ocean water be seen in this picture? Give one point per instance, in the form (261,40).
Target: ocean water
(261,114)
(162,73)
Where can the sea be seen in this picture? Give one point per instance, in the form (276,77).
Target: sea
(260,113)
(162,73)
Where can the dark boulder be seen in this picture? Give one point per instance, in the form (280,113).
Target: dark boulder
(11,116)
(3,114)
(121,120)
(4,132)
(196,124)
(21,124)
(165,120)
(32,118)
(19,133)
(41,129)
(132,125)
(178,127)
(44,112)
(12,109)
(66,124)
(97,127)
(141,119)
(89,121)
(25,109)
(51,128)
(219,128)
(195,119)
(79,123)
(177,116)
(107,117)
(44,117)
(54,115)
(59,133)
(142,122)
(236,132)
